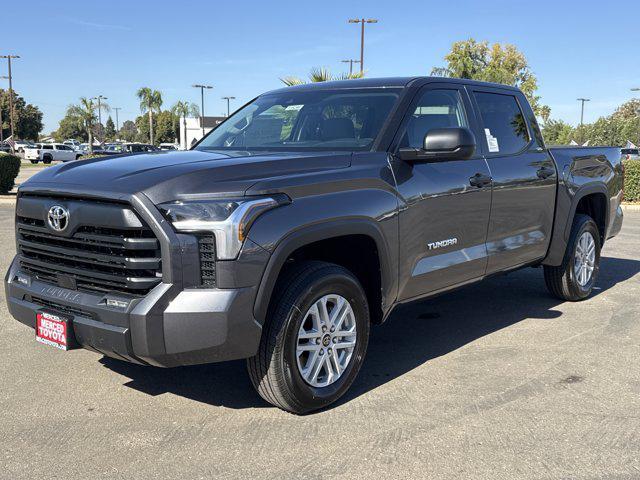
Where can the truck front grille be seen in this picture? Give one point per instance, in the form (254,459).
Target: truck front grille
(95,258)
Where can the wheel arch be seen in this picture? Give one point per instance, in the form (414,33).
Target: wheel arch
(315,235)
(590,199)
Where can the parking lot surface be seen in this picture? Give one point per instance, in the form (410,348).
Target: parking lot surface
(495,381)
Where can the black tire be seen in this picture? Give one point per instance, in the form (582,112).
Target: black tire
(561,281)
(78,157)
(274,371)
(46,159)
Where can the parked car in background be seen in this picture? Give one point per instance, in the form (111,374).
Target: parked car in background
(630,153)
(168,146)
(72,143)
(139,147)
(20,145)
(83,149)
(5,147)
(50,152)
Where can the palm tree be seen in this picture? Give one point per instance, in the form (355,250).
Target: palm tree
(150,101)
(320,74)
(183,110)
(85,112)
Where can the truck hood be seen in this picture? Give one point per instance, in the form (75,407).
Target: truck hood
(165,176)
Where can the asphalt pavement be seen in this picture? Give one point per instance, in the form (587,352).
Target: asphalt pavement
(495,381)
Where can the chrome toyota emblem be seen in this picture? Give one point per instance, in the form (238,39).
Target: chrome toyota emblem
(58,218)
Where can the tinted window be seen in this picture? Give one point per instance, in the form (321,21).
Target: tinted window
(47,147)
(435,109)
(503,122)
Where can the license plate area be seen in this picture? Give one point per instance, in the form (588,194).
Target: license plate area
(55,330)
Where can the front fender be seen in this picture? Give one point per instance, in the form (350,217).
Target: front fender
(311,219)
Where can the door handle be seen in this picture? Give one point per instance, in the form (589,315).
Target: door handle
(480,180)
(545,172)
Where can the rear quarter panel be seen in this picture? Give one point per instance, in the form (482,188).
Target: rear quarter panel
(583,171)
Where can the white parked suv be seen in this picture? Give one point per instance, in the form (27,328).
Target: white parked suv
(49,152)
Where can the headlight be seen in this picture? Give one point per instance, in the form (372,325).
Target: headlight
(228,219)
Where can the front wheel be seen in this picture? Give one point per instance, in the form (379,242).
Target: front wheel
(314,340)
(575,278)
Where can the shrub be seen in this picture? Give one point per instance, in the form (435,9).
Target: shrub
(9,168)
(632,180)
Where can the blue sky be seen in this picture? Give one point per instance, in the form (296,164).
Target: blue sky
(75,48)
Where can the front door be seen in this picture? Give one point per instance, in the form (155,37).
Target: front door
(524,180)
(443,222)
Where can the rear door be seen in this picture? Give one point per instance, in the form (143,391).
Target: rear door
(445,211)
(524,179)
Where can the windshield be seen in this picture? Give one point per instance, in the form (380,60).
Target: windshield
(311,120)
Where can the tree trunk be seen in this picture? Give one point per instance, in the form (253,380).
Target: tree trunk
(90,140)
(150,127)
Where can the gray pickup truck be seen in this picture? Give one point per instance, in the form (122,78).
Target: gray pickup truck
(302,220)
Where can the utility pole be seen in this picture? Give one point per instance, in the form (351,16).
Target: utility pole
(362,21)
(11,112)
(99,98)
(582,109)
(228,99)
(350,62)
(636,89)
(117,124)
(202,87)
(1,121)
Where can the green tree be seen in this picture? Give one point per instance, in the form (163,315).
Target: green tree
(28,118)
(492,63)
(70,127)
(165,127)
(557,132)
(110,129)
(128,131)
(85,112)
(182,110)
(150,102)
(319,74)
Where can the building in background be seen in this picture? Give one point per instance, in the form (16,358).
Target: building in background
(194,129)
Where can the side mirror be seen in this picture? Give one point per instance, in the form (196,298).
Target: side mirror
(456,143)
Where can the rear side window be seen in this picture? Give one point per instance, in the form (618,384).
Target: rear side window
(503,122)
(434,109)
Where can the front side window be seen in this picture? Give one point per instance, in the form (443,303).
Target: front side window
(503,122)
(348,119)
(435,109)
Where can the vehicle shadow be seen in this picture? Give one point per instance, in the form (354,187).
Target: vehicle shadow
(413,335)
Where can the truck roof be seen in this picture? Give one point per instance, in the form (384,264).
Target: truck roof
(387,82)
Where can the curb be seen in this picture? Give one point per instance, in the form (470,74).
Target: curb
(628,207)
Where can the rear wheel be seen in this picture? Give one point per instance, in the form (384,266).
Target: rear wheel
(575,278)
(46,159)
(314,340)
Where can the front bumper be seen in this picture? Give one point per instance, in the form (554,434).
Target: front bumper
(164,328)
(177,322)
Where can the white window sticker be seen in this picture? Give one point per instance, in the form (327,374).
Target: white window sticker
(491,141)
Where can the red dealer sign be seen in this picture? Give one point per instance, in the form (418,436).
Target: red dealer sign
(52,330)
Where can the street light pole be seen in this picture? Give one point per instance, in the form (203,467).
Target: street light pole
(11,112)
(117,123)
(362,21)
(582,110)
(636,89)
(228,99)
(350,62)
(1,121)
(202,87)
(99,98)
